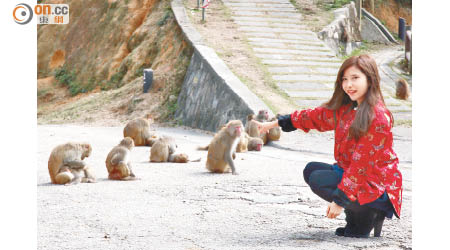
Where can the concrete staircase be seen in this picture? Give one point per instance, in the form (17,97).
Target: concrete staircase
(297,60)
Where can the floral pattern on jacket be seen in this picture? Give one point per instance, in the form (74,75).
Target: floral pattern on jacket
(369,164)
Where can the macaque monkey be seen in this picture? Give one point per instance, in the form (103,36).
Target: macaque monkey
(243,142)
(118,162)
(402,89)
(274,134)
(248,143)
(139,131)
(251,128)
(222,148)
(255,144)
(263,115)
(181,158)
(162,149)
(66,165)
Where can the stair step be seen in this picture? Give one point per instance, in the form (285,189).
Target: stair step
(272,14)
(247,4)
(286,41)
(305,77)
(304,69)
(305,103)
(271,25)
(311,94)
(304,33)
(305,86)
(266,19)
(290,46)
(268,10)
(293,52)
(258,1)
(310,62)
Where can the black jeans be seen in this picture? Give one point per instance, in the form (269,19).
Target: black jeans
(323,181)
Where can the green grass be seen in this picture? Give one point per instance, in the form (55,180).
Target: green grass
(68,78)
(335,5)
(358,51)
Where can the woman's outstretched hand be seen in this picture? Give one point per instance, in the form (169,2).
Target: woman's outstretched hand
(333,210)
(264,127)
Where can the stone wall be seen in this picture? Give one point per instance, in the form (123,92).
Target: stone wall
(211,94)
(343,34)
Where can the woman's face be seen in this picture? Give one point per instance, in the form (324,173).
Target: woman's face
(354,83)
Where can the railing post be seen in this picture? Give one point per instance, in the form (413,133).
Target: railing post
(408,49)
(401,28)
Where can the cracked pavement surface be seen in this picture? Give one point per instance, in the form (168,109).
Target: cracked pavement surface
(183,206)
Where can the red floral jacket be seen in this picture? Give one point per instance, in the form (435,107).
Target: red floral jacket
(369,164)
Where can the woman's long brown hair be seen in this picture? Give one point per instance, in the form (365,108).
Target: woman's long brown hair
(365,112)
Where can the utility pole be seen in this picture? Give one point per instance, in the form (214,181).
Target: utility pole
(203,10)
(372,6)
(358,5)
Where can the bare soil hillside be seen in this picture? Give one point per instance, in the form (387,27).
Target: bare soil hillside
(99,57)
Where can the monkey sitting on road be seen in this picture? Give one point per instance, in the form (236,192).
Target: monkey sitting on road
(222,148)
(247,143)
(66,165)
(402,89)
(274,134)
(164,151)
(118,162)
(251,128)
(243,143)
(255,144)
(139,131)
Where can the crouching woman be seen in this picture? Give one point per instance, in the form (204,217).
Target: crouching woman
(365,181)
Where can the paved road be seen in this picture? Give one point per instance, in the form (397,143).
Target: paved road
(182,206)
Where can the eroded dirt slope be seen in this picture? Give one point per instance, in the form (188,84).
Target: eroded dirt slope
(91,69)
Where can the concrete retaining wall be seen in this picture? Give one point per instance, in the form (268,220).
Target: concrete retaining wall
(373,31)
(211,94)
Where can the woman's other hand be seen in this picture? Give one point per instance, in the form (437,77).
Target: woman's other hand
(333,210)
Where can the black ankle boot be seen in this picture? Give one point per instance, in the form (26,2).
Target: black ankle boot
(363,223)
(378,223)
(350,219)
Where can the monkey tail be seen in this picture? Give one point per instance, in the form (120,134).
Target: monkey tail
(197,160)
(203,148)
